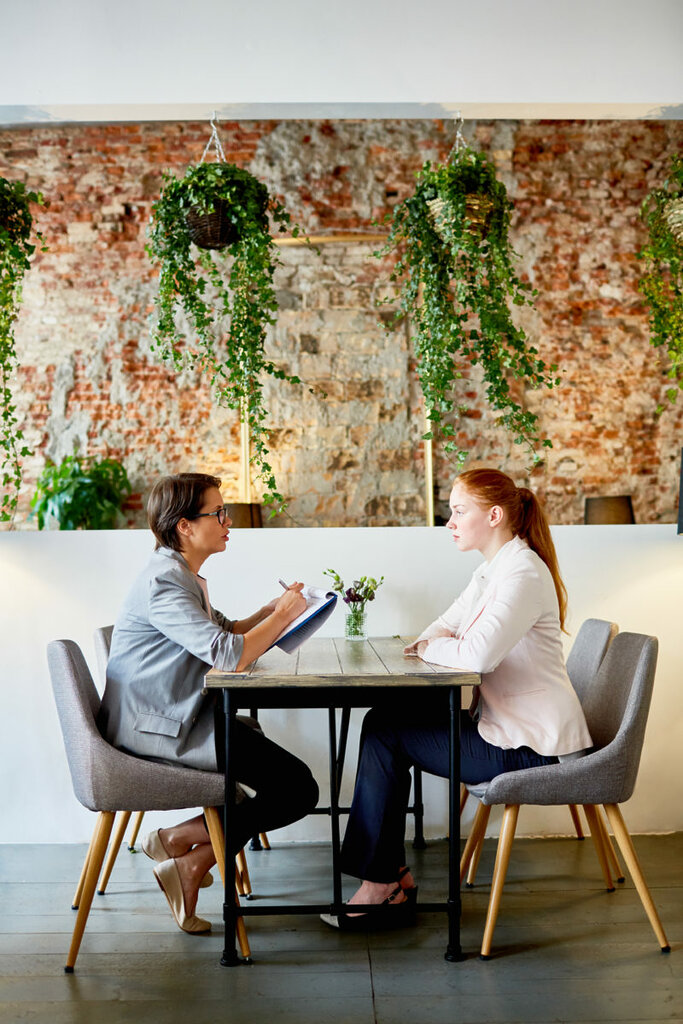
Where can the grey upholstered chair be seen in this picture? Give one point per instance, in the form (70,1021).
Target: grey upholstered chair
(108,780)
(102,640)
(586,655)
(616,708)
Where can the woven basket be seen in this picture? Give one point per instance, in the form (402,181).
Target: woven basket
(673,215)
(211,230)
(477,211)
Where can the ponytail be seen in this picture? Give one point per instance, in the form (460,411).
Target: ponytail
(525,516)
(534,529)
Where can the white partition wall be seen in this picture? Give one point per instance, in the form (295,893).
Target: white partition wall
(63,585)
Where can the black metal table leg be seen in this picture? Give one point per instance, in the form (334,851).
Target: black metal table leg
(454,951)
(230,957)
(341,750)
(418,810)
(335,782)
(255,842)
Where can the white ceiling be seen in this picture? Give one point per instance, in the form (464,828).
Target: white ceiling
(90,60)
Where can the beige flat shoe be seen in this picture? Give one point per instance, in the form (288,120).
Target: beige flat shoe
(168,878)
(154,848)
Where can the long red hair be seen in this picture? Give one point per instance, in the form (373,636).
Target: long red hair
(525,517)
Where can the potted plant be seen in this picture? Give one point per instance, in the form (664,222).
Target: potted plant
(456,275)
(81,493)
(16,248)
(662,282)
(225,288)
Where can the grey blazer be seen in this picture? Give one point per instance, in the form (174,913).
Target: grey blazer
(165,639)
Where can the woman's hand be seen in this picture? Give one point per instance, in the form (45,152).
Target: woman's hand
(417,648)
(290,604)
(269,608)
(266,630)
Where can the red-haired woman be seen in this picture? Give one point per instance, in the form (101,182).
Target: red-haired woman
(507,625)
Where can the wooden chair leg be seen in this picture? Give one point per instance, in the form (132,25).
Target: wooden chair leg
(507,835)
(114,847)
(474,863)
(244,888)
(137,822)
(464,793)
(472,851)
(215,827)
(573,810)
(84,870)
(105,820)
(597,830)
(611,852)
(264,840)
(622,836)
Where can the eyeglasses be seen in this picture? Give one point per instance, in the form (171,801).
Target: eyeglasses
(221,514)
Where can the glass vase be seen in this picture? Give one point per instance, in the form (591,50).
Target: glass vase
(355,627)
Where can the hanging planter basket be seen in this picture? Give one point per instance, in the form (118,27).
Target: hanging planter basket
(214,230)
(228,299)
(478,209)
(673,215)
(457,280)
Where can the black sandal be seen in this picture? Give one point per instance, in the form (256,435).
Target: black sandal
(387,914)
(411,892)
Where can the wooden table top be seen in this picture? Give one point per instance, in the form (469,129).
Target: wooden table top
(330,662)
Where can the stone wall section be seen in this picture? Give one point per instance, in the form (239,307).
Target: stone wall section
(89,382)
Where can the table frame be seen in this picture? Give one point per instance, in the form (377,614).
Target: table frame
(333,673)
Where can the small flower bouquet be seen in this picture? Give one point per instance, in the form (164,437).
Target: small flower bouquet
(356,597)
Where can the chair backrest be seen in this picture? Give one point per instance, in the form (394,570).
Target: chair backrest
(77,703)
(617,704)
(102,639)
(588,650)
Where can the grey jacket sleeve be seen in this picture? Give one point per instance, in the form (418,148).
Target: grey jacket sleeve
(178,614)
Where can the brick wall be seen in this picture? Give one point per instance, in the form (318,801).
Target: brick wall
(87,378)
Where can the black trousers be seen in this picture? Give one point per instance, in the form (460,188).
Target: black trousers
(284,786)
(391,742)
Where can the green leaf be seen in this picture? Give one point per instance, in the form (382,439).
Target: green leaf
(16,248)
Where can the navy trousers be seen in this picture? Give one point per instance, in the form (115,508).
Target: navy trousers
(391,742)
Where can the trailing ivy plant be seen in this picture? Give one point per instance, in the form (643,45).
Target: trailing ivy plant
(16,248)
(662,282)
(227,296)
(456,274)
(81,494)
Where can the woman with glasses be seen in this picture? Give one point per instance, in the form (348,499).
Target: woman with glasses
(166,637)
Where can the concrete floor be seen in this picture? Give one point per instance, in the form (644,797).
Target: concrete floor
(565,950)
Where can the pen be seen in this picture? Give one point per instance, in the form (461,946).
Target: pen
(283,584)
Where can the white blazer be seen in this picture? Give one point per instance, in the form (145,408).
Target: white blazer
(506,626)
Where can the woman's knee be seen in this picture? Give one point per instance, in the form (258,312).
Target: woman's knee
(310,793)
(298,786)
(379,724)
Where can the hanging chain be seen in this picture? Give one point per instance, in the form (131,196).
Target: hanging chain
(460,140)
(220,155)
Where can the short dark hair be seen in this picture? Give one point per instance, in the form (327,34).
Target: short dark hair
(174,498)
